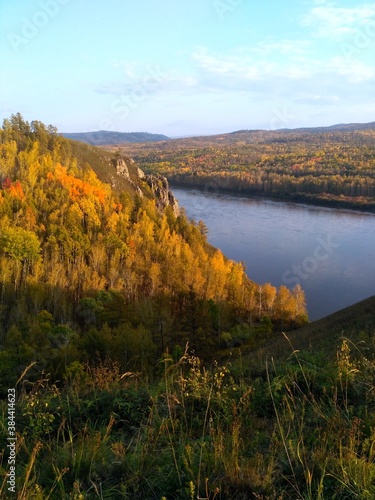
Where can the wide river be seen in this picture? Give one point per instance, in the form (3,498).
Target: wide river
(330,252)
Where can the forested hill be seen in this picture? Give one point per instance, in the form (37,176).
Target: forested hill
(114,310)
(105,137)
(340,127)
(94,270)
(326,165)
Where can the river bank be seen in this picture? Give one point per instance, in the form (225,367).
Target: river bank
(329,201)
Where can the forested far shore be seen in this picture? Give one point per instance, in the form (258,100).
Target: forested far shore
(213,186)
(334,168)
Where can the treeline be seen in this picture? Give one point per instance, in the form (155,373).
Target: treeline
(331,167)
(89,274)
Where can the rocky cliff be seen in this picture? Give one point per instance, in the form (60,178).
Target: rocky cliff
(164,196)
(126,167)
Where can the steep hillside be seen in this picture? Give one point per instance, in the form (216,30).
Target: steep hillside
(123,175)
(322,337)
(356,322)
(99,253)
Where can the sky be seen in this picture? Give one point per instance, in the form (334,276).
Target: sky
(187,67)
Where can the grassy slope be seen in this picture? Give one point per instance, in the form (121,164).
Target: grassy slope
(102,163)
(356,323)
(347,322)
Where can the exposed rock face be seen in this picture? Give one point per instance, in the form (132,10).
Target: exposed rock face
(140,173)
(139,191)
(122,168)
(126,167)
(164,197)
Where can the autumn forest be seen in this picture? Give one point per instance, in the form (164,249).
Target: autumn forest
(145,363)
(334,166)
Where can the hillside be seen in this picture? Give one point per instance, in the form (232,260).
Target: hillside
(104,137)
(334,166)
(340,127)
(90,240)
(355,323)
(137,362)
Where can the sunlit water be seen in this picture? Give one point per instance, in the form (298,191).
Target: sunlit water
(330,252)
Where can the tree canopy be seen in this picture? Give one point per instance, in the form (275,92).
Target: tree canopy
(114,272)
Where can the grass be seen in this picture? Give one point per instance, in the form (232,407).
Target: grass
(306,430)
(302,428)
(324,336)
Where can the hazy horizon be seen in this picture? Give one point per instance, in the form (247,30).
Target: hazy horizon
(208,135)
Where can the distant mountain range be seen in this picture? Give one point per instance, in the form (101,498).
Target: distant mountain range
(107,138)
(340,127)
(344,127)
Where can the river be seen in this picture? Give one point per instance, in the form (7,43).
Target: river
(329,252)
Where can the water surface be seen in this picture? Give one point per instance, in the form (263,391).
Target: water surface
(330,252)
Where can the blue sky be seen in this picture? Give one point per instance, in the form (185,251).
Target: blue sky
(185,67)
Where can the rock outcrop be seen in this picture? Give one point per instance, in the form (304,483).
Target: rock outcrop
(164,196)
(158,184)
(122,166)
(140,173)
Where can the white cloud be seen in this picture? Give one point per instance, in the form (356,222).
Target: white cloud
(311,98)
(232,65)
(242,67)
(356,72)
(283,70)
(284,47)
(250,66)
(147,79)
(336,22)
